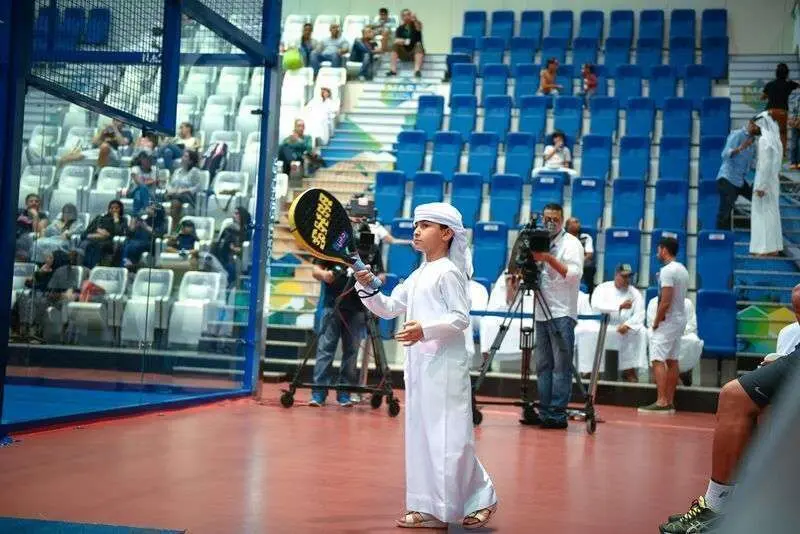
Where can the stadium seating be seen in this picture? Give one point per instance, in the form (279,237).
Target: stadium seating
(651,24)
(564,77)
(714,56)
(568,116)
(592,23)
(707,205)
(462,80)
(497,116)
(673,160)
(98,26)
(495,81)
(710,156)
(681,54)
(547,188)
(677,117)
(672,207)
(663,84)
(588,199)
(561,24)
(402,259)
(466,196)
(621,25)
(503,25)
(430,113)
(505,200)
(489,249)
(492,50)
(520,149)
(584,51)
(474,24)
(482,154)
(697,84)
(522,52)
(618,52)
(716,322)
(655,237)
(715,260)
(621,246)
(533,115)
(715,116)
(447,148)
(410,151)
(682,23)
(714,23)
(554,47)
(463,114)
(628,202)
(463,45)
(640,119)
(634,157)
(648,52)
(427,187)
(628,84)
(526,81)
(596,156)
(390,192)
(532,26)
(604,115)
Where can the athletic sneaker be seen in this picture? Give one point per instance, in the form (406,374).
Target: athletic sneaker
(317,400)
(699,519)
(656,408)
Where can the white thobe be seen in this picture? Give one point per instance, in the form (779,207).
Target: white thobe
(765,217)
(443,476)
(632,346)
(691,345)
(509,349)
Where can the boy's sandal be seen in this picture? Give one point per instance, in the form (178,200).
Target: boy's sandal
(479,518)
(420,520)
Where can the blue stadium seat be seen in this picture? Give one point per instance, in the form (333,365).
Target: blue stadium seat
(602,80)
(663,84)
(520,150)
(410,151)
(474,24)
(596,156)
(634,158)
(430,113)
(463,113)
(483,154)
(497,116)
(447,148)
(466,196)
(628,202)
(716,322)
(697,84)
(495,81)
(714,23)
(390,192)
(505,198)
(561,24)
(588,199)
(604,115)
(428,187)
(672,206)
(533,115)
(682,23)
(651,23)
(522,52)
(462,79)
(463,45)
(584,51)
(568,116)
(532,25)
(715,56)
(673,160)
(640,118)
(564,77)
(618,52)
(455,59)
(681,54)
(591,25)
(622,246)
(628,84)
(655,237)
(715,260)
(547,188)
(402,259)
(41,27)
(715,116)
(502,25)
(677,118)
(492,50)
(98,26)
(648,52)
(711,147)
(621,25)
(489,249)
(73,25)
(387,326)
(526,81)
(554,47)
(707,205)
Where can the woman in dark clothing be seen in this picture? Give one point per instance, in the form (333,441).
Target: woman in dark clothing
(142,234)
(98,239)
(776,93)
(230,242)
(49,287)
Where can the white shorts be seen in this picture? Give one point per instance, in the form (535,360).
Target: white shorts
(665,343)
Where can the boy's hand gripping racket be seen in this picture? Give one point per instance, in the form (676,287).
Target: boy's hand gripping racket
(321,225)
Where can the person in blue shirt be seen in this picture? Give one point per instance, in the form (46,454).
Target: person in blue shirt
(737,160)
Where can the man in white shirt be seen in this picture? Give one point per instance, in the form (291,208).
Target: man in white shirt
(691,345)
(573,226)
(557,157)
(668,326)
(626,332)
(561,271)
(330,49)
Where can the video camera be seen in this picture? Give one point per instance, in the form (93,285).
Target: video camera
(362,212)
(532,238)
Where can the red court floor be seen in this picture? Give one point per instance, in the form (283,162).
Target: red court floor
(244,467)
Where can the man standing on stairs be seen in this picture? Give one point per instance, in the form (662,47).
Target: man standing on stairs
(766,237)
(408,43)
(737,159)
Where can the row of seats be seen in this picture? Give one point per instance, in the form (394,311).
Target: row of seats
(351,27)
(682,24)
(72,27)
(628,82)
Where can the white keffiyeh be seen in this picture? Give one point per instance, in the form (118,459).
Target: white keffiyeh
(446,214)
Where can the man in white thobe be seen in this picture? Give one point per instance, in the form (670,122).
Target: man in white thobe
(625,332)
(691,346)
(766,237)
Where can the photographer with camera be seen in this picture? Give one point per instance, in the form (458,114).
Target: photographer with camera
(561,270)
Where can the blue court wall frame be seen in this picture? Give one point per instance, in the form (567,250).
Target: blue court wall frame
(17,55)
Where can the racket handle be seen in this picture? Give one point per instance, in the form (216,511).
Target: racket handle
(358,265)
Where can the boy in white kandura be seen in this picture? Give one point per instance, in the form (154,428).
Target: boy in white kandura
(445,482)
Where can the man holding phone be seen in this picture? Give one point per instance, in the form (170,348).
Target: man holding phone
(408,43)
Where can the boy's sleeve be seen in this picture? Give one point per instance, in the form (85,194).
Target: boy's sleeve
(386,307)
(453,291)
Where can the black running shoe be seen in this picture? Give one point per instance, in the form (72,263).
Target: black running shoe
(699,519)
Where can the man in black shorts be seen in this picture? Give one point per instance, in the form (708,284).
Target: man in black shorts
(741,401)
(408,43)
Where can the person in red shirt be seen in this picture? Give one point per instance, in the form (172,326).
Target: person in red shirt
(589,82)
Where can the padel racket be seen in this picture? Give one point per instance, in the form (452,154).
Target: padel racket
(321,225)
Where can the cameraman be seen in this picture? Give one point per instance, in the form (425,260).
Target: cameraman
(561,271)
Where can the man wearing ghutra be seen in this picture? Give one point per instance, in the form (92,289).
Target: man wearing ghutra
(445,482)
(766,238)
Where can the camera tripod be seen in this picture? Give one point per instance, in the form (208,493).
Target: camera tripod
(515,311)
(378,392)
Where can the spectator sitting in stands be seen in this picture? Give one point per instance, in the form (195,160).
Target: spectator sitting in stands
(144,175)
(142,234)
(589,83)
(146,143)
(362,52)
(557,157)
(106,145)
(57,235)
(30,219)
(97,241)
(294,150)
(307,44)
(330,49)
(172,149)
(547,78)
(408,44)
(383,27)
(230,241)
(185,240)
(184,184)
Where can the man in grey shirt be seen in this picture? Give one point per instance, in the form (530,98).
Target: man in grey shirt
(331,49)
